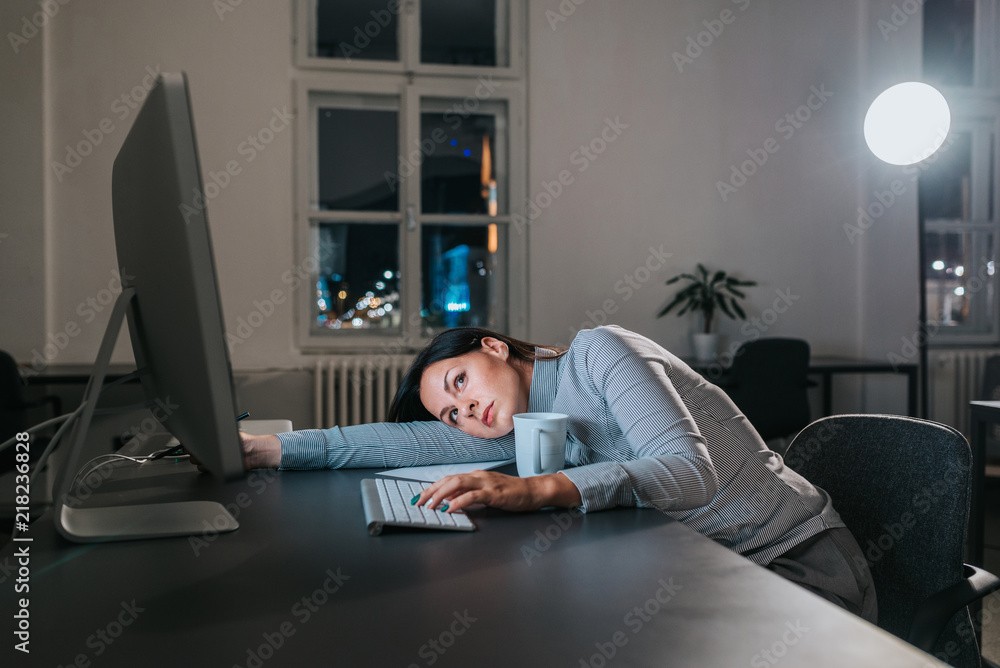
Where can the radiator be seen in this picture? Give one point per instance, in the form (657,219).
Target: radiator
(356,389)
(955,377)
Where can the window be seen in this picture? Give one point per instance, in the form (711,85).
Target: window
(410,155)
(443,37)
(958,193)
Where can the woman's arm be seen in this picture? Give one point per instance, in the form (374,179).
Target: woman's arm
(672,469)
(380,445)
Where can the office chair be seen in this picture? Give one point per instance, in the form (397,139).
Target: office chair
(14,408)
(902,486)
(768,381)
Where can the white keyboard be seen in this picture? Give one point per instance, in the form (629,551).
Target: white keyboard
(387,503)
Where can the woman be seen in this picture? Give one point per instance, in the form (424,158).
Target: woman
(644,430)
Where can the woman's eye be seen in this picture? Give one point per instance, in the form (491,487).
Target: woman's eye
(460,379)
(453,415)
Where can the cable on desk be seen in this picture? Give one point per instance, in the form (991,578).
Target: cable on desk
(67,421)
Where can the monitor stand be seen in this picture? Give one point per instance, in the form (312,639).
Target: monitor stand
(130,522)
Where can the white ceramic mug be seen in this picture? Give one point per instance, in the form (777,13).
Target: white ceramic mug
(540,442)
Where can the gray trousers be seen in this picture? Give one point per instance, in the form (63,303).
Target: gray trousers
(832,565)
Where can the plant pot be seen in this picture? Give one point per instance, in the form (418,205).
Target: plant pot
(706,346)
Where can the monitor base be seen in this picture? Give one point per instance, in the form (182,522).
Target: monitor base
(155,520)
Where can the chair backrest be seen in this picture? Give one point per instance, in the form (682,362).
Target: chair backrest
(768,382)
(902,486)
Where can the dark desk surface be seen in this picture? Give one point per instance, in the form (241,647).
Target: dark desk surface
(301,583)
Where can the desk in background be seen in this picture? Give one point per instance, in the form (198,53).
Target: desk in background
(301,583)
(983,414)
(74,374)
(827,366)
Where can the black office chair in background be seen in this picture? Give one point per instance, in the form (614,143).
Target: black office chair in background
(902,486)
(768,381)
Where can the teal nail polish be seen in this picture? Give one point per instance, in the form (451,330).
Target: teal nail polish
(414,500)
(443,508)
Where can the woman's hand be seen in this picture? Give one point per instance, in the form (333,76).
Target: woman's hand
(500,491)
(260,452)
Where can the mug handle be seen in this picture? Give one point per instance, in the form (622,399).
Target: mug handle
(536,449)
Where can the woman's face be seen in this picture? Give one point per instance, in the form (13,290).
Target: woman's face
(478,392)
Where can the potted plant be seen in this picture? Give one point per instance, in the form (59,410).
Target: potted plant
(704,293)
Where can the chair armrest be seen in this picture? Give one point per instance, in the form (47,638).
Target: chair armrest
(934,612)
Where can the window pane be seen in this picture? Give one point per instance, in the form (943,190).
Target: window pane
(948,41)
(460,170)
(946,180)
(960,279)
(463,32)
(357,154)
(462,281)
(358,283)
(362,29)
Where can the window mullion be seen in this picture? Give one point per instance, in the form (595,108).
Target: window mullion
(410,204)
(410,34)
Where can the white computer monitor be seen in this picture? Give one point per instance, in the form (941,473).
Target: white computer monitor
(171,300)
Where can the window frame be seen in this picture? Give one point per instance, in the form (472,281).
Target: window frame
(408,40)
(409,218)
(974,109)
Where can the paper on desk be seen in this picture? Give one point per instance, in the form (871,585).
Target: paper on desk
(435,473)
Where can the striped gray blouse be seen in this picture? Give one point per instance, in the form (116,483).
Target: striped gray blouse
(644,430)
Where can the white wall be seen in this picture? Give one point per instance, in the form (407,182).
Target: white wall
(22,182)
(689,124)
(654,186)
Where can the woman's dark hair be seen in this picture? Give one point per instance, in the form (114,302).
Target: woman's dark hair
(406,405)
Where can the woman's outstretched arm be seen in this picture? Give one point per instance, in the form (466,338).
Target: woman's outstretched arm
(379,445)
